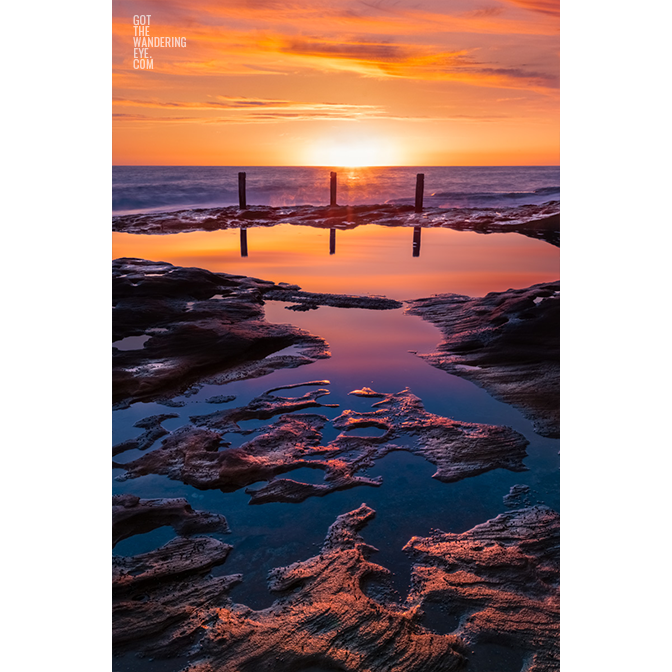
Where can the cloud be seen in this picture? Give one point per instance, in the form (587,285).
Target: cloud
(252,104)
(253,110)
(550,7)
(373,39)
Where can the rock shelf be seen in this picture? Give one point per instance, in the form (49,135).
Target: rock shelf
(506,342)
(204,327)
(502,576)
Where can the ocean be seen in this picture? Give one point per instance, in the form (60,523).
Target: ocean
(145,189)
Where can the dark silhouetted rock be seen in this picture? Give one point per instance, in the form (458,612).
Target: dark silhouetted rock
(132,515)
(153,432)
(204,327)
(506,342)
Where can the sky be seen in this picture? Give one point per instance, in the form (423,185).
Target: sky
(338,82)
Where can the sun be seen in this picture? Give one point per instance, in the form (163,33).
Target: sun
(351,153)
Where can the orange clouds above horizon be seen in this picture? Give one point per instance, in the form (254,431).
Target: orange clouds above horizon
(261,82)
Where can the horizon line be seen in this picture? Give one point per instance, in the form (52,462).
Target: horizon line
(267,165)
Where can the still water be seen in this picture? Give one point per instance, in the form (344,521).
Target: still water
(369,348)
(369,259)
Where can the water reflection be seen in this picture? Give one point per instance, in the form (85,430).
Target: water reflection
(416,241)
(243,242)
(371,259)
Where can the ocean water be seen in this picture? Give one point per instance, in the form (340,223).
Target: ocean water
(139,189)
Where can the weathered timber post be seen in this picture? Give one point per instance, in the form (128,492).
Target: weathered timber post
(332,200)
(243,242)
(416,240)
(332,241)
(242,198)
(419,191)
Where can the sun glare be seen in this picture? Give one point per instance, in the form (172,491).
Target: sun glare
(354,153)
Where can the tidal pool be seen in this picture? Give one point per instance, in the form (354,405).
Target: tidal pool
(376,349)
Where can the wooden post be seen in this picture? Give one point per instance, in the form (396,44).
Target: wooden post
(332,241)
(243,241)
(419,191)
(416,240)
(242,198)
(332,200)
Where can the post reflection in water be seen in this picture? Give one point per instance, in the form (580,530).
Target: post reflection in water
(332,241)
(416,240)
(243,242)
(371,259)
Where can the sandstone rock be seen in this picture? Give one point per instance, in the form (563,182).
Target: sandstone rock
(458,449)
(192,454)
(503,575)
(324,619)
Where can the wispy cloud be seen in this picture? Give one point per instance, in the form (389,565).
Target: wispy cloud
(254,109)
(250,111)
(550,7)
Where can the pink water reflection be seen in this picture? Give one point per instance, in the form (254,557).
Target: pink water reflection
(368,259)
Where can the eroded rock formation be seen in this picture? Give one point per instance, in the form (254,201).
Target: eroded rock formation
(458,449)
(502,578)
(132,515)
(157,594)
(322,617)
(154,594)
(507,342)
(153,432)
(204,327)
(197,454)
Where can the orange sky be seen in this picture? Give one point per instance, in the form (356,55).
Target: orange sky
(317,82)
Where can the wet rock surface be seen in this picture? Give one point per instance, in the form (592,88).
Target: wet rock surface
(155,593)
(132,515)
(197,453)
(321,618)
(542,228)
(518,496)
(203,327)
(153,432)
(311,300)
(536,221)
(507,342)
(458,449)
(502,577)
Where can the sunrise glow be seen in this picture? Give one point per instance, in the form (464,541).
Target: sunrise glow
(338,83)
(353,153)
